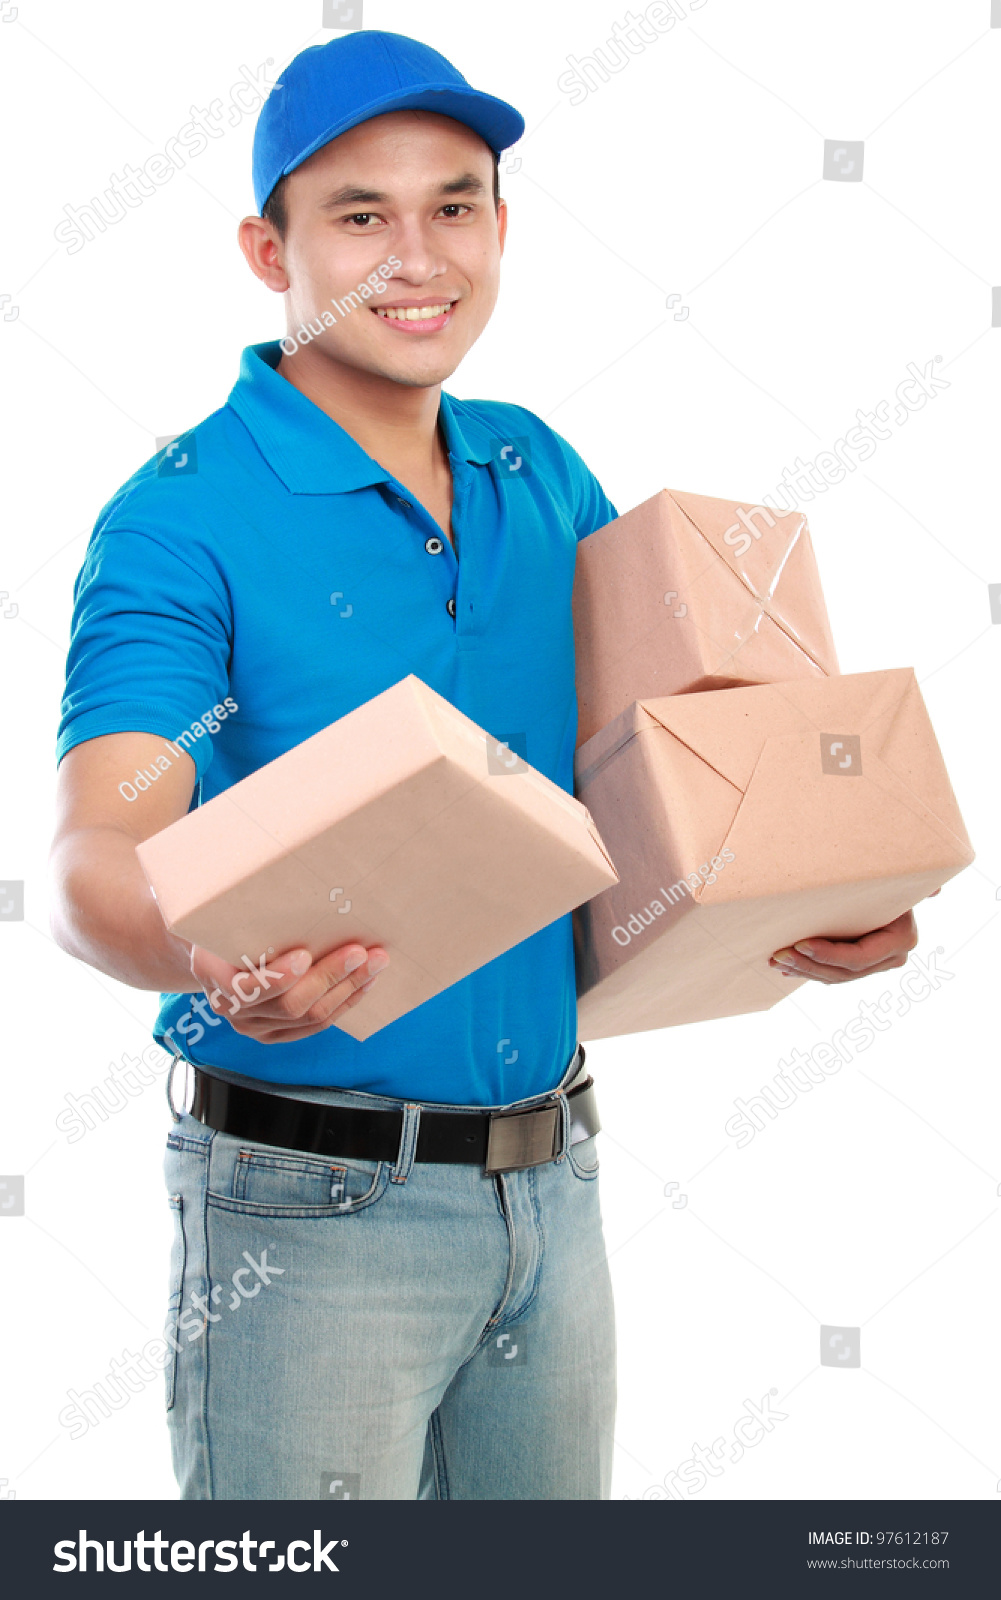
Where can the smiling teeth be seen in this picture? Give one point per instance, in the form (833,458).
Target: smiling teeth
(413,313)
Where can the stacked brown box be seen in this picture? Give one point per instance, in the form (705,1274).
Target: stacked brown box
(748,794)
(686,593)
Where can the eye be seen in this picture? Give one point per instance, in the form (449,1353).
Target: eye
(456,206)
(361,217)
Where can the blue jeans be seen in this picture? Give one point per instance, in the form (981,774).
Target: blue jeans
(374,1330)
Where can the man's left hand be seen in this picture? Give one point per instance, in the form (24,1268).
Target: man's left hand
(841,960)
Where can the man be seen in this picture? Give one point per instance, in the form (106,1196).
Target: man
(380,1288)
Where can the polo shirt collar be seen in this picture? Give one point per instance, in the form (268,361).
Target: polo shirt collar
(309,451)
(469,440)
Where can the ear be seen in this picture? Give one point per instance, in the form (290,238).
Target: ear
(264,253)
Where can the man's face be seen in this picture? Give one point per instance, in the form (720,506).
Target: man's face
(415,186)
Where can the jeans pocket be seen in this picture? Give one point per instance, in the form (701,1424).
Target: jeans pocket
(176,1289)
(264,1180)
(583,1158)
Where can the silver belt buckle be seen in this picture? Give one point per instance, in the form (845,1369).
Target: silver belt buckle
(520,1139)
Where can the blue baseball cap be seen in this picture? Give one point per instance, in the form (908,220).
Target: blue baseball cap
(332,87)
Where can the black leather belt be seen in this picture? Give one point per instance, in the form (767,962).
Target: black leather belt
(498,1141)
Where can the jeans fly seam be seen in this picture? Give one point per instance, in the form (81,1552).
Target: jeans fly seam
(512,1244)
(533,1293)
(516,1313)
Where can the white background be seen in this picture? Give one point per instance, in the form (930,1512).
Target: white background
(696,170)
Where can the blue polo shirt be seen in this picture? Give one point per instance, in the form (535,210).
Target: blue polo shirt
(270,564)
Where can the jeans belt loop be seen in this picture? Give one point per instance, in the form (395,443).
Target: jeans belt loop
(575,1068)
(573,1072)
(170,1083)
(564,1125)
(408,1143)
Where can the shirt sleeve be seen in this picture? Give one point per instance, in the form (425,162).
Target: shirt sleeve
(150,644)
(592,508)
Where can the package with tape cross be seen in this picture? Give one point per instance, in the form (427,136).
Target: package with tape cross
(687,593)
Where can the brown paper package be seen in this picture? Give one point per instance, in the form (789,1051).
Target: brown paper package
(687,593)
(825,803)
(401,824)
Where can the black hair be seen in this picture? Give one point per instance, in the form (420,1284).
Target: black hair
(275,211)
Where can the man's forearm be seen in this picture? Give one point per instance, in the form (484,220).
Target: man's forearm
(104,913)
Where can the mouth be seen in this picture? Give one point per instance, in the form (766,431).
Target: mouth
(428,317)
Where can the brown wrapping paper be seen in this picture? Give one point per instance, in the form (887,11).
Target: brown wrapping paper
(686,593)
(393,826)
(743,820)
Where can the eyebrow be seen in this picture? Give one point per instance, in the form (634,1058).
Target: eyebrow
(350,195)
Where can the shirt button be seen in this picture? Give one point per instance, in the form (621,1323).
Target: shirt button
(450,607)
(434,546)
(403,502)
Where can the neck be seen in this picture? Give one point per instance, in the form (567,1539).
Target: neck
(394,423)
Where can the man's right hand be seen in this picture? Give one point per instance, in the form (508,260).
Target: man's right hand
(290,997)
